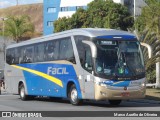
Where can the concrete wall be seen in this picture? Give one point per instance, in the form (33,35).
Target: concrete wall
(7,42)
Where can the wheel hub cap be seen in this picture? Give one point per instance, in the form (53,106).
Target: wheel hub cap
(22,92)
(74,95)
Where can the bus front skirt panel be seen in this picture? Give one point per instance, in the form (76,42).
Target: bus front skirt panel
(118,93)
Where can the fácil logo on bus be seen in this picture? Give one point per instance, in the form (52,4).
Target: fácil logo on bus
(53,71)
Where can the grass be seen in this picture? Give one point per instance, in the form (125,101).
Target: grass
(153,94)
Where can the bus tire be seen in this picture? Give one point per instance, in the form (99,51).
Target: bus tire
(73,96)
(115,102)
(22,93)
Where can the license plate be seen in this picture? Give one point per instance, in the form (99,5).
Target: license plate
(125,94)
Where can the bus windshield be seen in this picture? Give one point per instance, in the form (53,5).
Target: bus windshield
(119,59)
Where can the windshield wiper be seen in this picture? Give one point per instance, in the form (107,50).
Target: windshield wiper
(119,63)
(122,63)
(130,69)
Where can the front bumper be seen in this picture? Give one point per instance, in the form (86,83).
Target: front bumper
(118,93)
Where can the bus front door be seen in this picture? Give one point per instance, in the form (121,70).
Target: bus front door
(88,77)
(89,86)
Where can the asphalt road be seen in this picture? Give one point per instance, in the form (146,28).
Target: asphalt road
(14,103)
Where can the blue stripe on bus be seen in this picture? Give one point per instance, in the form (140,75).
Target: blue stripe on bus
(121,84)
(37,85)
(115,37)
(117,83)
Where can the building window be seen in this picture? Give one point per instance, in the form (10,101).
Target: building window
(64,9)
(50,23)
(77,7)
(51,10)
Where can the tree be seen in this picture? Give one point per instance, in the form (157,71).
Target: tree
(78,20)
(107,14)
(19,27)
(148,26)
(99,13)
(150,18)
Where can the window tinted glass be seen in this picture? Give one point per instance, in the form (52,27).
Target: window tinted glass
(10,56)
(21,59)
(60,49)
(17,55)
(84,53)
(56,49)
(66,50)
(51,50)
(80,47)
(39,53)
(28,54)
(88,65)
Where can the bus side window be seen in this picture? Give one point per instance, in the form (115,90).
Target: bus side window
(56,49)
(84,53)
(66,50)
(88,59)
(39,53)
(49,51)
(28,55)
(20,51)
(17,55)
(9,56)
(21,59)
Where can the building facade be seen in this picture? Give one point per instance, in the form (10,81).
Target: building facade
(54,9)
(135,6)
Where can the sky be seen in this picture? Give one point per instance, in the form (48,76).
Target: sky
(8,3)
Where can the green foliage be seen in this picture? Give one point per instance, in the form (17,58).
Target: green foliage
(148,26)
(150,18)
(61,24)
(151,74)
(18,27)
(100,13)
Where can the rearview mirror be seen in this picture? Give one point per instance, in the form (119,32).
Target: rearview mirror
(92,46)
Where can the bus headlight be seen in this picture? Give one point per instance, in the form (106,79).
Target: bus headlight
(143,84)
(102,84)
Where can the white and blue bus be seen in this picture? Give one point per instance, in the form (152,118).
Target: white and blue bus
(93,64)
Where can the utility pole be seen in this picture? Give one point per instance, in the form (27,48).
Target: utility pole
(134,10)
(17,2)
(3,20)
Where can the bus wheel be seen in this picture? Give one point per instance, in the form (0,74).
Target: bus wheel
(73,96)
(115,102)
(22,92)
